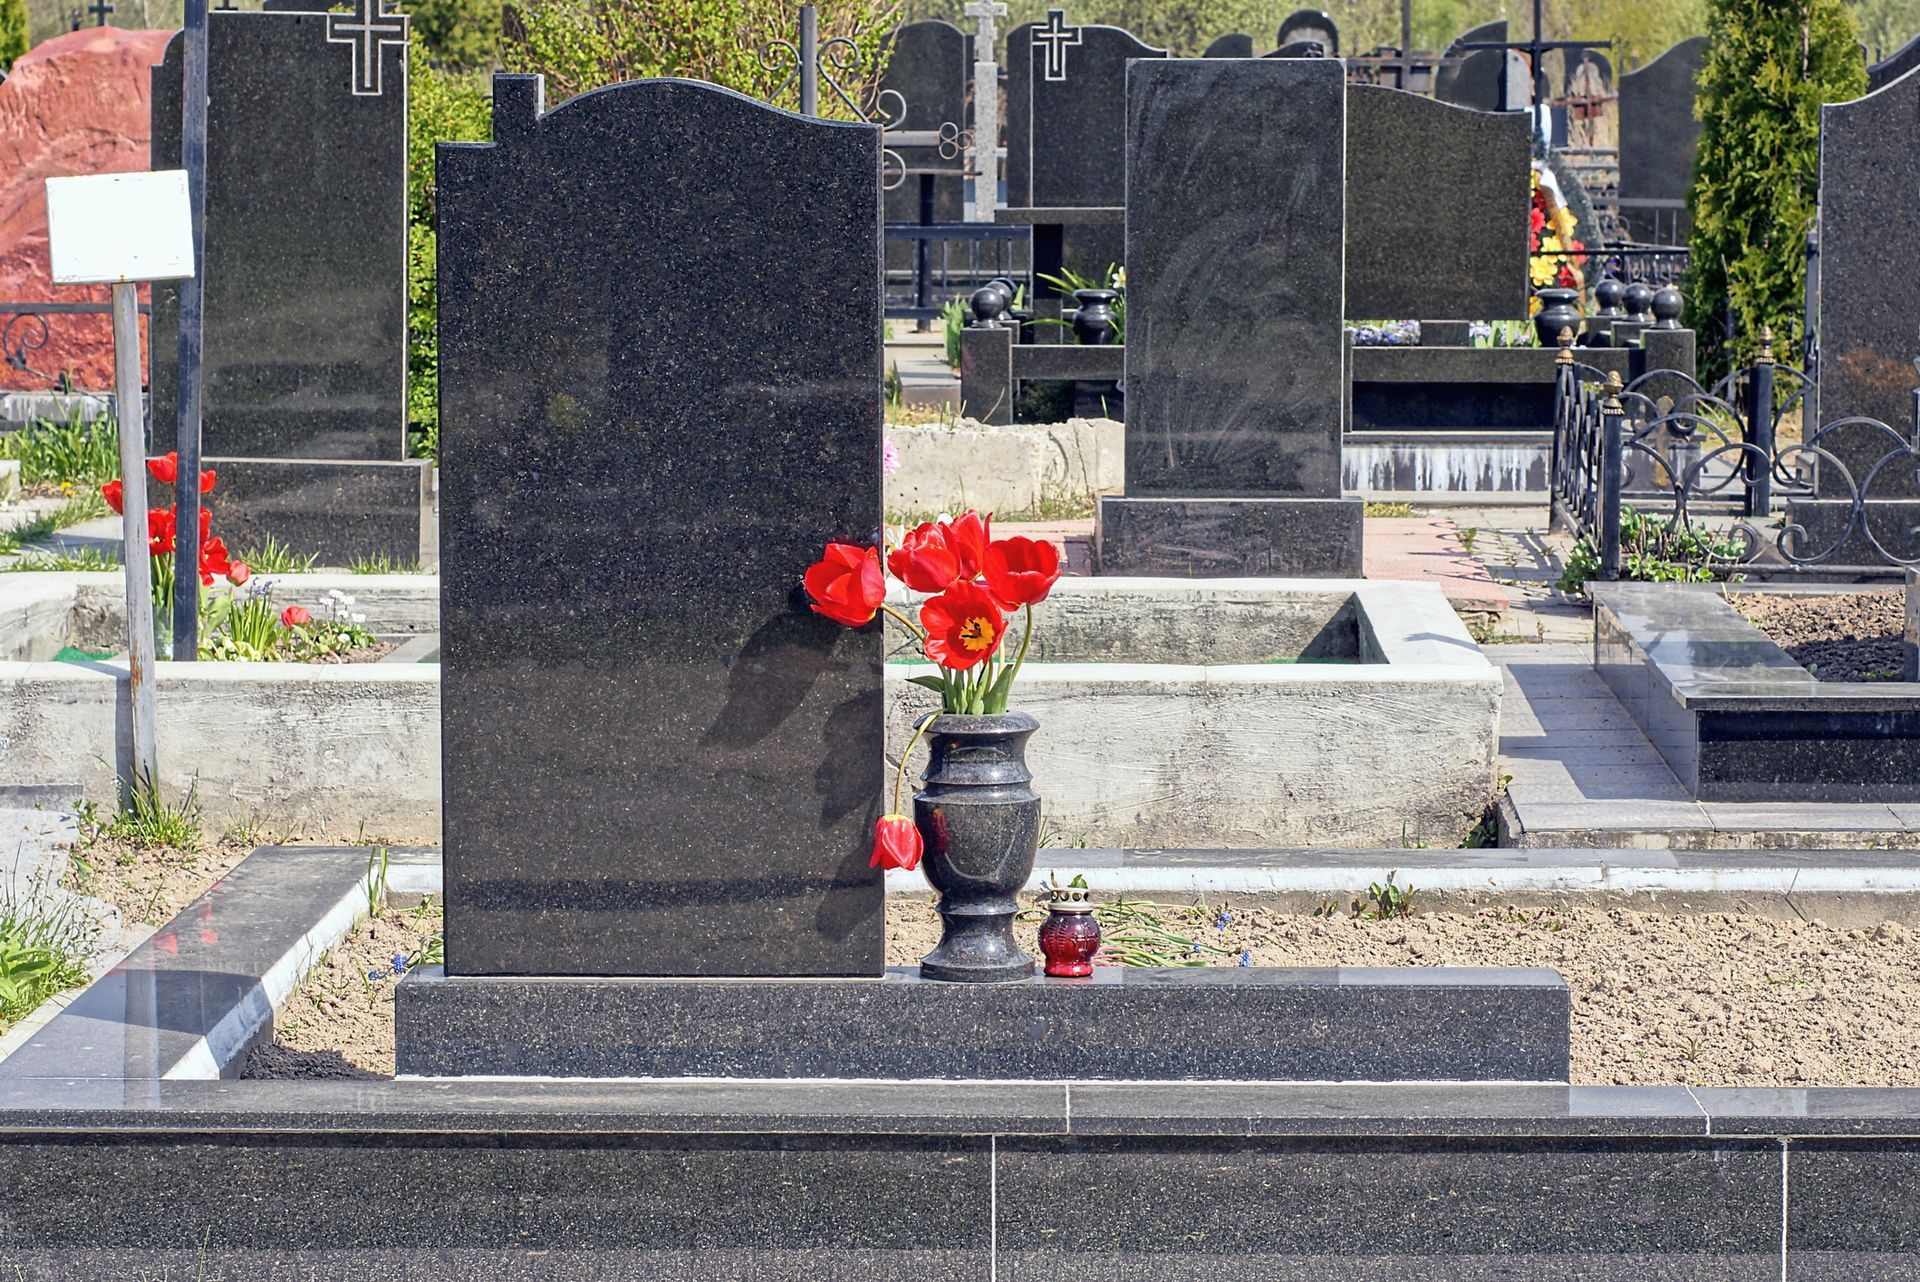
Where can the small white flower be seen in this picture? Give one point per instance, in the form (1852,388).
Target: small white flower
(346,600)
(335,593)
(359,618)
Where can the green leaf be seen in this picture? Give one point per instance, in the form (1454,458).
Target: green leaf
(934,684)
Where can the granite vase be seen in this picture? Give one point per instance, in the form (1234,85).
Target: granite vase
(1559,309)
(1095,325)
(980,820)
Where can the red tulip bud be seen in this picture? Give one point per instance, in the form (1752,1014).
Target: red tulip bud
(896,843)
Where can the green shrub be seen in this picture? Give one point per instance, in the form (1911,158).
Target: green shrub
(1770,65)
(13,31)
(1652,551)
(456,35)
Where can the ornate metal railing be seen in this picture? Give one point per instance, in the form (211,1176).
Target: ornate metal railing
(1708,471)
(24,331)
(948,260)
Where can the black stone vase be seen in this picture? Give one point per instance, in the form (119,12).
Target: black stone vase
(1559,309)
(980,819)
(1093,324)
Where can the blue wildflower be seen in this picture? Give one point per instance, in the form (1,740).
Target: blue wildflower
(1221,922)
(373,975)
(399,963)
(1246,957)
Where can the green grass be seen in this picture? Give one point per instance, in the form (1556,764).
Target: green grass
(81,507)
(1389,509)
(275,557)
(152,821)
(84,559)
(43,952)
(384,564)
(79,452)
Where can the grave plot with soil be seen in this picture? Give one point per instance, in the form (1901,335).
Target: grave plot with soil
(1837,636)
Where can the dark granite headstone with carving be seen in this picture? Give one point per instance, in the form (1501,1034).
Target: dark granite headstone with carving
(930,69)
(1658,139)
(1895,65)
(1235,180)
(1310,24)
(657,760)
(305,280)
(1237,45)
(1460,251)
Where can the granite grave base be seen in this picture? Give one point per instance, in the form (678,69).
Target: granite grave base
(1230,537)
(1123,1023)
(338,510)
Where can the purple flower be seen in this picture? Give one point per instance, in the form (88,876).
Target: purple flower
(399,963)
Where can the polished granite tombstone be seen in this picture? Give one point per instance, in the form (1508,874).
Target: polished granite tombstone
(1310,24)
(1235,175)
(1470,168)
(305,280)
(930,68)
(1659,135)
(1894,65)
(657,759)
(1237,45)
(1474,79)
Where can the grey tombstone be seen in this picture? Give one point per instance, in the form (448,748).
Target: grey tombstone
(1894,65)
(305,275)
(1237,45)
(1658,139)
(656,759)
(1310,24)
(1235,192)
(1460,251)
(1475,80)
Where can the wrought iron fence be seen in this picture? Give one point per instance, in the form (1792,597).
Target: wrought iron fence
(24,330)
(1712,474)
(949,260)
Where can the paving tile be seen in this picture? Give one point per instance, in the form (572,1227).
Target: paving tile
(1802,816)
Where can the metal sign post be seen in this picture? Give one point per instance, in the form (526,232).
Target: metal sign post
(186,488)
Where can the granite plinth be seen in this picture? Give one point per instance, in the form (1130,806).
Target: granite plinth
(669,773)
(1735,717)
(1235,181)
(1124,1023)
(986,374)
(1866,310)
(305,272)
(341,511)
(1230,538)
(1470,168)
(1659,137)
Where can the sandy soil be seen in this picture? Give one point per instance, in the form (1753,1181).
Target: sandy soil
(149,885)
(1850,636)
(1711,1000)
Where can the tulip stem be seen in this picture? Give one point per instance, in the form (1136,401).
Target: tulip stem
(900,775)
(906,623)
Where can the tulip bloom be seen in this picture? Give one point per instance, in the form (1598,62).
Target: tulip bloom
(968,537)
(1021,571)
(964,626)
(896,843)
(160,532)
(213,561)
(925,561)
(115,493)
(294,616)
(166,470)
(847,584)
(238,573)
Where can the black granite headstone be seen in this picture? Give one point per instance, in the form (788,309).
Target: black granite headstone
(1658,138)
(1235,181)
(1300,49)
(657,760)
(1460,249)
(305,275)
(1237,45)
(926,84)
(1895,65)
(1310,24)
(1867,308)
(1474,80)
(1067,113)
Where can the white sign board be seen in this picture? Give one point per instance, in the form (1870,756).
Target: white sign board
(107,228)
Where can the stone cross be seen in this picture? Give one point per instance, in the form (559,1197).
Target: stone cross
(986,110)
(1055,37)
(373,26)
(100,10)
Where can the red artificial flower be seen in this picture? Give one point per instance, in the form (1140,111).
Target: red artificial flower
(896,843)
(166,468)
(294,616)
(213,561)
(924,561)
(968,537)
(238,573)
(847,584)
(964,626)
(115,494)
(1021,571)
(160,531)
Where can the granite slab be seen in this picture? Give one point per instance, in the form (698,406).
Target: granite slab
(1124,1023)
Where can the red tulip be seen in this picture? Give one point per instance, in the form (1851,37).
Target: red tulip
(115,494)
(964,626)
(206,480)
(294,616)
(165,468)
(206,523)
(968,537)
(213,561)
(847,584)
(924,561)
(1021,571)
(160,531)
(896,843)
(238,573)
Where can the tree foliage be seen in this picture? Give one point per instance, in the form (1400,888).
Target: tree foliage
(457,35)
(585,44)
(13,31)
(1770,66)
(442,106)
